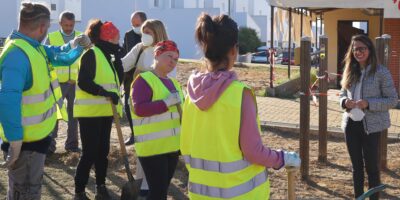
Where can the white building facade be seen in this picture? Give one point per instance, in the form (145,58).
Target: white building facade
(179,16)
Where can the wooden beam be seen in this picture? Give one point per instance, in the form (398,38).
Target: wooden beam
(305,65)
(323,100)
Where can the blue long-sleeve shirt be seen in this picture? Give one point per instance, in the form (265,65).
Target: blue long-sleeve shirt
(16,77)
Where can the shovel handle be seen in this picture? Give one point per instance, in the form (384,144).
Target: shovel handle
(179,107)
(291,176)
(121,142)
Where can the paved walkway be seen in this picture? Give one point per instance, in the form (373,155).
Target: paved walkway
(286,113)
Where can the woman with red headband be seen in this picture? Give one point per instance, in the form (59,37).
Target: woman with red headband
(156,119)
(99,78)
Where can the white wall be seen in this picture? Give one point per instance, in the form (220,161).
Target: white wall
(8,17)
(182,31)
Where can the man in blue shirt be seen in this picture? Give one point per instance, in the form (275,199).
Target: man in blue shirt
(25,160)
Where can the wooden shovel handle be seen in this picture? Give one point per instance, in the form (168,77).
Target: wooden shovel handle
(119,130)
(178,106)
(121,143)
(291,174)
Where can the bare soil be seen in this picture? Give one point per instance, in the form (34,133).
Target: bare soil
(331,180)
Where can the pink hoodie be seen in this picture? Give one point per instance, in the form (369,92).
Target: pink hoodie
(204,90)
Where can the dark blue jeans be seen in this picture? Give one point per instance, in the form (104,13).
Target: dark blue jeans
(363,149)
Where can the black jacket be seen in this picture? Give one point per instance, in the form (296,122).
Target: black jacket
(87,70)
(130,40)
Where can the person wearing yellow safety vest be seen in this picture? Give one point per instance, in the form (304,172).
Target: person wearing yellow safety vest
(156,100)
(99,76)
(141,57)
(28,99)
(66,77)
(220,133)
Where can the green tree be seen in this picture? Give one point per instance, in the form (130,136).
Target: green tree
(248,40)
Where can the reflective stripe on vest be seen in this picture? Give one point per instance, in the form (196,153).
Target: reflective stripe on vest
(26,121)
(64,73)
(92,101)
(88,105)
(157,134)
(40,97)
(110,86)
(38,103)
(156,118)
(232,192)
(215,166)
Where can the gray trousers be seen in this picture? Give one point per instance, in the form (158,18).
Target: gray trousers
(25,180)
(68,92)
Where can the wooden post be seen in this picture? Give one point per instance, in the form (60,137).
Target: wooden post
(316,32)
(290,40)
(323,99)
(271,66)
(305,65)
(301,22)
(383,49)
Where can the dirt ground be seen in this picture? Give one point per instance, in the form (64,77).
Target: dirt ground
(326,181)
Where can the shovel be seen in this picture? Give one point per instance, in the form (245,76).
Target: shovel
(291,172)
(372,191)
(130,190)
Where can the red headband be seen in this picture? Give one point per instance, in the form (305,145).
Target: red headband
(165,46)
(108,31)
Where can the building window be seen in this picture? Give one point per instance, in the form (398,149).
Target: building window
(156,3)
(173,4)
(53,6)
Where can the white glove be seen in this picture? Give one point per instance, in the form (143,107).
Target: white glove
(172,99)
(291,159)
(13,153)
(81,40)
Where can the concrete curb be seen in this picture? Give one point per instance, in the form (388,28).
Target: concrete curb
(332,131)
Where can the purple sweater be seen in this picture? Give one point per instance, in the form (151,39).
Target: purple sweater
(142,98)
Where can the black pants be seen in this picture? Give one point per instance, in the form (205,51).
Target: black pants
(363,148)
(128,111)
(159,171)
(95,138)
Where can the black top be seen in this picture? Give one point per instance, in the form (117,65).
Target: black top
(40,146)
(87,70)
(130,40)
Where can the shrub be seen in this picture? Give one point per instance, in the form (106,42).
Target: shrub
(248,40)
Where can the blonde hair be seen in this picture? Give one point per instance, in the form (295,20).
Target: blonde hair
(352,70)
(160,34)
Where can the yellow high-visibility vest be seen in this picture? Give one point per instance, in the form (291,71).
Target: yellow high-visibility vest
(61,106)
(64,73)
(38,106)
(210,148)
(88,105)
(157,134)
